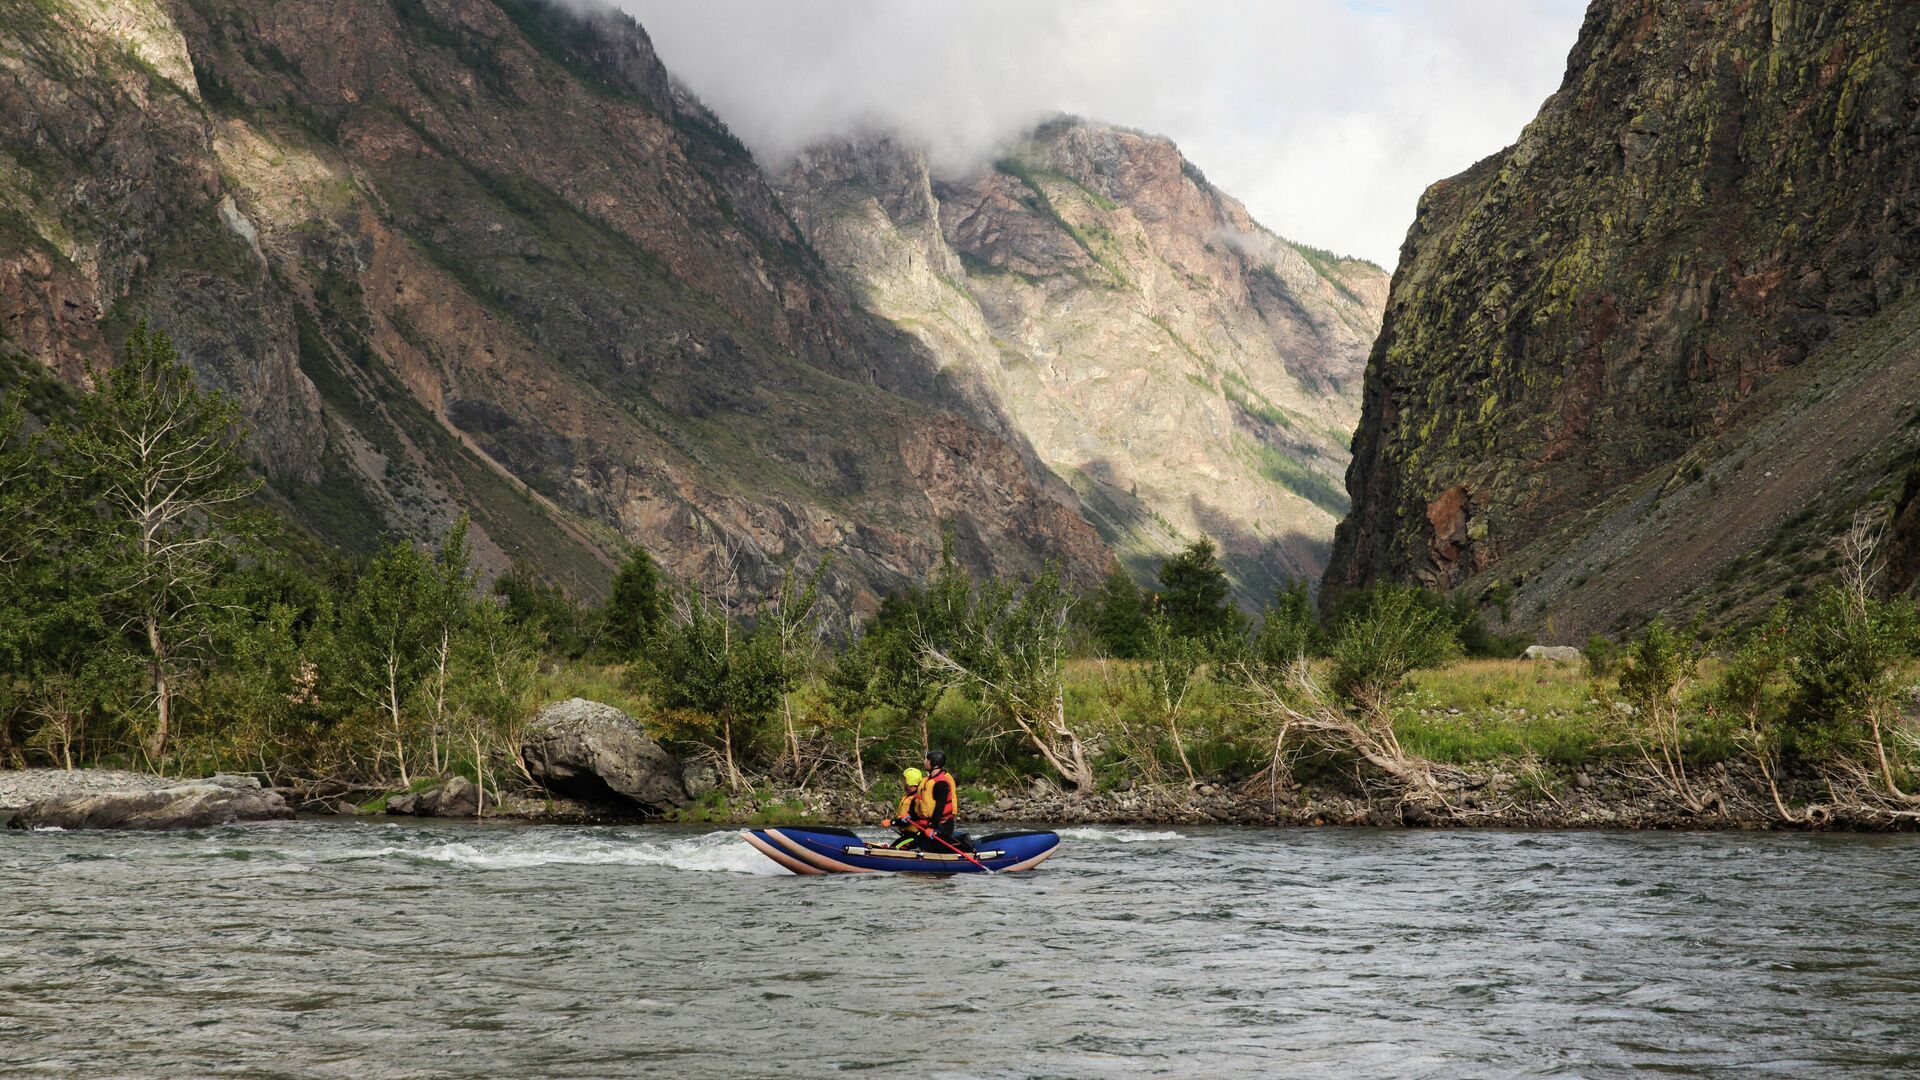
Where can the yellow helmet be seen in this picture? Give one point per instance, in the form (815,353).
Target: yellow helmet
(913,777)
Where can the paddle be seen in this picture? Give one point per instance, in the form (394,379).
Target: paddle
(923,831)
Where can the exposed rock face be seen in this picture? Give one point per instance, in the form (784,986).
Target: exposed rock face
(480,255)
(1644,357)
(198,804)
(585,750)
(1186,370)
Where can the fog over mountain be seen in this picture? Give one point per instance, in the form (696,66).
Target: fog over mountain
(1326,118)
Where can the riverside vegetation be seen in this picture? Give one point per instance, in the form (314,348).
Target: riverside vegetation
(154,615)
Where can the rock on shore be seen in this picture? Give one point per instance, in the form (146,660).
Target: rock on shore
(455,798)
(586,750)
(192,804)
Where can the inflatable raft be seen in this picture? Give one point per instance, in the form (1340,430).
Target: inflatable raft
(841,851)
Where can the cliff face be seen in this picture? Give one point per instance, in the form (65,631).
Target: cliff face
(458,254)
(1656,353)
(1186,370)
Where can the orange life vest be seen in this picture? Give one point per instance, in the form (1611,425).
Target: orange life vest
(923,804)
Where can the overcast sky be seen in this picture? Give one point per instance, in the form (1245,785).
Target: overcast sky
(1326,117)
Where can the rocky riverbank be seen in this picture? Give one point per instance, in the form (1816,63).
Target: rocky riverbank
(585,762)
(1731,799)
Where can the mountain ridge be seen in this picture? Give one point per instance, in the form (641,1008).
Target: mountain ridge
(1186,370)
(489,259)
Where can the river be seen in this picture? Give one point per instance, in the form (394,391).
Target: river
(327,949)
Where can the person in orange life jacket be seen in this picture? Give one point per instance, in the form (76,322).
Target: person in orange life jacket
(904,817)
(940,799)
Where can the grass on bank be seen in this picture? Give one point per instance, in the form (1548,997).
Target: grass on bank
(1488,710)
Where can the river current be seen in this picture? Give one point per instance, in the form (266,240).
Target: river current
(328,949)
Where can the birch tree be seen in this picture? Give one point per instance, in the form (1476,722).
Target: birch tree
(1172,664)
(447,605)
(793,626)
(706,664)
(386,644)
(912,624)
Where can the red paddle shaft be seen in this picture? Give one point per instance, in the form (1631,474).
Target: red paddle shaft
(927,832)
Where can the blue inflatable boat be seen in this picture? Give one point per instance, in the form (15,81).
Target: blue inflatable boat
(840,851)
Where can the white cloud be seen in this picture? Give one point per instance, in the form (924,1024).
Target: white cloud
(1328,119)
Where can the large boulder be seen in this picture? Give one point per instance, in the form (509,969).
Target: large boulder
(586,750)
(1558,654)
(456,798)
(194,804)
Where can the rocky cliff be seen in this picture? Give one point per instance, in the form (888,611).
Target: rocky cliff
(1658,352)
(1186,370)
(482,255)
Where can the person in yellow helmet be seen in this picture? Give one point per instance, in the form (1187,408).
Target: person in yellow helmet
(905,816)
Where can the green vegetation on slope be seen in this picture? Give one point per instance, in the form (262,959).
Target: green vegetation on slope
(392,667)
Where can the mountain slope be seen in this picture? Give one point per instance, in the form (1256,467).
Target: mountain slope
(483,256)
(1186,370)
(1655,355)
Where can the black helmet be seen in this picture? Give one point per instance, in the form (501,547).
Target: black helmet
(936,759)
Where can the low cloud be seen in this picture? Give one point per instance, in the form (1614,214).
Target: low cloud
(1328,119)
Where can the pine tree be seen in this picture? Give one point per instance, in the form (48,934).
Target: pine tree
(1120,616)
(550,617)
(160,455)
(1193,594)
(1289,630)
(636,608)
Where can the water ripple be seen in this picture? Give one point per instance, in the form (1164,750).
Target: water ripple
(388,950)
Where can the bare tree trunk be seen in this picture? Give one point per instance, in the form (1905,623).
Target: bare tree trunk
(734,782)
(440,705)
(1773,789)
(1368,734)
(859,763)
(1671,764)
(793,736)
(479,774)
(1179,746)
(1886,768)
(1060,747)
(162,691)
(393,711)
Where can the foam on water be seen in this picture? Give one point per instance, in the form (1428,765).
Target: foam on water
(713,852)
(1118,836)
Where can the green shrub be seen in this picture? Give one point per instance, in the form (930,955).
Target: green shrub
(1656,666)
(1846,648)
(1601,657)
(1398,631)
(1289,629)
